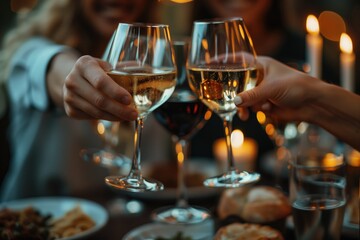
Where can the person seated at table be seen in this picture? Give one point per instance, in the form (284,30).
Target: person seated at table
(291,95)
(36,58)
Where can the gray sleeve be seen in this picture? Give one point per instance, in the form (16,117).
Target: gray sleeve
(26,83)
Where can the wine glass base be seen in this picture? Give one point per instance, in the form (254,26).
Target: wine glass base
(180,215)
(105,158)
(232,179)
(134,184)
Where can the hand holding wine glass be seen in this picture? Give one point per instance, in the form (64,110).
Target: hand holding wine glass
(143,63)
(221,64)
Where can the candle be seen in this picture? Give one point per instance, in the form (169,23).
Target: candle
(244,151)
(347,60)
(314,46)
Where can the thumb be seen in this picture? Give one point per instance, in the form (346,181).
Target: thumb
(252,97)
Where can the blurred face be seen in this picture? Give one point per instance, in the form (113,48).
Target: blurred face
(252,11)
(104,15)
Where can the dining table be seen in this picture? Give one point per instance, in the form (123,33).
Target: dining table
(120,222)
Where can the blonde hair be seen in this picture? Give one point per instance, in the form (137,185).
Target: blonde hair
(60,21)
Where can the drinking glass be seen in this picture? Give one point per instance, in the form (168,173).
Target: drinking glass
(221,64)
(285,136)
(317,194)
(106,156)
(143,63)
(182,115)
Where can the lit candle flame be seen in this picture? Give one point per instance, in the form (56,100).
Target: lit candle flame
(346,45)
(237,138)
(181,1)
(312,25)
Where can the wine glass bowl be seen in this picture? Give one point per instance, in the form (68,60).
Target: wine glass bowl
(221,64)
(143,63)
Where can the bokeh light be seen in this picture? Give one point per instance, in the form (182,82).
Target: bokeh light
(181,1)
(331,25)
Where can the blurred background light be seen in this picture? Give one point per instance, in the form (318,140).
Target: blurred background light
(181,1)
(331,25)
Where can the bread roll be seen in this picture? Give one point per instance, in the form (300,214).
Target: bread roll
(259,204)
(237,231)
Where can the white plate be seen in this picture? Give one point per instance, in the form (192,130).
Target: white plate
(203,231)
(207,167)
(58,206)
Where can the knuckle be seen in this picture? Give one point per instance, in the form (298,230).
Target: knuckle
(68,98)
(98,82)
(84,60)
(69,83)
(100,101)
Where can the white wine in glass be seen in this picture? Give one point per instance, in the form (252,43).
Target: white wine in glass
(221,64)
(143,63)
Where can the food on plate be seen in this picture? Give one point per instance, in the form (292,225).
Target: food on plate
(27,223)
(259,204)
(73,222)
(166,172)
(238,231)
(30,224)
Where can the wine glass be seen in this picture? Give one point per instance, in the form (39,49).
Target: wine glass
(143,63)
(182,115)
(114,162)
(285,136)
(106,156)
(221,64)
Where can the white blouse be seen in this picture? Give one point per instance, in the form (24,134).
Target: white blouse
(45,143)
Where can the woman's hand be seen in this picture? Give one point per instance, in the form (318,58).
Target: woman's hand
(283,93)
(89,93)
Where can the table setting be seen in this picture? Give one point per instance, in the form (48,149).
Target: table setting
(183,84)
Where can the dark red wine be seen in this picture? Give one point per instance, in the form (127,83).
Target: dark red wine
(182,114)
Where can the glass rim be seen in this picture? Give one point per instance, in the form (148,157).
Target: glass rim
(293,162)
(143,24)
(217,20)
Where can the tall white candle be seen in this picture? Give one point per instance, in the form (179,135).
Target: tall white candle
(314,45)
(347,62)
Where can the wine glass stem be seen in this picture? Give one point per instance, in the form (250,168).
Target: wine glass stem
(135,171)
(228,129)
(181,147)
